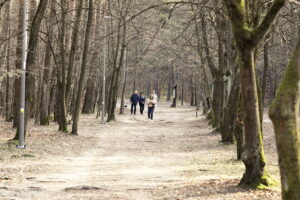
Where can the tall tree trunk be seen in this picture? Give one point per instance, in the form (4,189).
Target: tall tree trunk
(217,99)
(264,79)
(169,88)
(192,91)
(227,125)
(182,89)
(116,72)
(7,95)
(284,113)
(45,95)
(18,63)
(30,61)
(253,154)
(247,39)
(73,48)
(83,67)
(61,74)
(90,95)
(174,103)
(238,129)
(122,109)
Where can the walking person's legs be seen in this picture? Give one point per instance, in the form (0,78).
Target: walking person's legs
(131,108)
(152,111)
(134,108)
(142,109)
(149,112)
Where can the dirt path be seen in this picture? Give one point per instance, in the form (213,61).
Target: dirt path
(172,157)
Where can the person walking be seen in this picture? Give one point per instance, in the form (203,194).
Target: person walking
(142,103)
(155,97)
(134,99)
(151,102)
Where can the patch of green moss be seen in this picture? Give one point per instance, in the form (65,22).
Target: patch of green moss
(209,116)
(45,122)
(14,156)
(28,155)
(265,182)
(51,118)
(65,129)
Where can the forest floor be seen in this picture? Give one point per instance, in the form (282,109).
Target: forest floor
(173,157)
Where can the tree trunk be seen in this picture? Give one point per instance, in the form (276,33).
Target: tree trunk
(61,74)
(284,113)
(230,112)
(253,153)
(238,130)
(51,96)
(116,73)
(30,61)
(265,74)
(73,48)
(45,95)
(217,99)
(7,95)
(169,89)
(174,103)
(83,67)
(122,109)
(18,63)
(91,94)
(182,89)
(192,91)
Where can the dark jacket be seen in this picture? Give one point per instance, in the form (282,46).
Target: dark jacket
(142,100)
(135,98)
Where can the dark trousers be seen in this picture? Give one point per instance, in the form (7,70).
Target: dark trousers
(142,107)
(133,108)
(150,112)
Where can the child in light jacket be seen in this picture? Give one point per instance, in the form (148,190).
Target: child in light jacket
(151,102)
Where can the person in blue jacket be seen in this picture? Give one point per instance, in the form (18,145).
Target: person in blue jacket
(142,103)
(134,99)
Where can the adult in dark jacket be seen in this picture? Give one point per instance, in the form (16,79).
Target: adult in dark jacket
(134,99)
(142,103)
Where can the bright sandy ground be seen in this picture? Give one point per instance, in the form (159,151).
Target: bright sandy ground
(174,157)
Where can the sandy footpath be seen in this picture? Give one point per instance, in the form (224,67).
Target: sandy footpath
(173,157)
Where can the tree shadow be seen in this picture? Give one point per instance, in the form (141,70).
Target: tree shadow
(216,189)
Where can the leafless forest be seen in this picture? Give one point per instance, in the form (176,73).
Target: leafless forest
(235,63)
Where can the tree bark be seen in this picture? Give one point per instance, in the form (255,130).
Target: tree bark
(45,95)
(230,112)
(122,109)
(284,113)
(247,39)
(169,88)
(116,72)
(18,63)
(73,48)
(83,67)
(7,95)
(61,74)
(264,80)
(253,154)
(30,61)
(238,130)
(192,103)
(90,95)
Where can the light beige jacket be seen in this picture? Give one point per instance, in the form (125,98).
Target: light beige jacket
(151,103)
